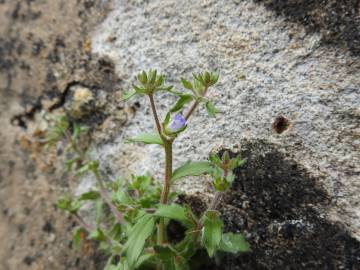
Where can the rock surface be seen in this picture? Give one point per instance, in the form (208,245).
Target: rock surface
(269,69)
(289,92)
(44,50)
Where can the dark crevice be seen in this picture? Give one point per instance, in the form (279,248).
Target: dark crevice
(21,119)
(338,21)
(281,209)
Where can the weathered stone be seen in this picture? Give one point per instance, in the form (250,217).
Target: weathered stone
(268,68)
(291,106)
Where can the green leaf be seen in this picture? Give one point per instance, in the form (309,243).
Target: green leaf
(147,138)
(127,95)
(211,232)
(175,212)
(75,206)
(115,232)
(186,84)
(68,204)
(192,168)
(152,76)
(142,77)
(139,90)
(99,211)
(210,108)
(214,77)
(142,259)
(89,196)
(233,243)
(137,237)
(166,256)
(83,169)
(122,197)
(182,101)
(171,259)
(98,235)
(140,182)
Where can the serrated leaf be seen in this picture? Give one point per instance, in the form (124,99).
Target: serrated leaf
(211,232)
(128,95)
(210,108)
(233,243)
(191,168)
(137,237)
(89,196)
(181,102)
(175,212)
(186,84)
(147,138)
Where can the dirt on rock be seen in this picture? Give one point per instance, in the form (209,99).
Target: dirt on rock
(337,20)
(276,204)
(44,50)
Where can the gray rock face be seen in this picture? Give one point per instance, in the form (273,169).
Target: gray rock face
(269,68)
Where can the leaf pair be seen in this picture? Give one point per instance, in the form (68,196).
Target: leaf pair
(213,239)
(138,235)
(150,82)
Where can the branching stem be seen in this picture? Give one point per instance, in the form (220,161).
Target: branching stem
(194,106)
(105,195)
(83,224)
(166,188)
(154,112)
(216,200)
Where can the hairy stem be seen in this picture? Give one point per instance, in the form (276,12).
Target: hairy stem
(156,118)
(168,171)
(191,110)
(105,196)
(216,200)
(194,105)
(83,224)
(78,150)
(218,195)
(166,188)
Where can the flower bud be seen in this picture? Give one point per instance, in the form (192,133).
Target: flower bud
(177,124)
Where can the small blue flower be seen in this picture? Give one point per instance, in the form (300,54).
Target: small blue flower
(177,123)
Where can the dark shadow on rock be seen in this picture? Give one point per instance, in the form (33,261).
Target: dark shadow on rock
(337,20)
(280,209)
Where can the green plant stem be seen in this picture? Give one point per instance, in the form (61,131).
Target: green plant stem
(194,105)
(216,200)
(83,224)
(103,191)
(105,195)
(166,188)
(73,144)
(89,228)
(218,195)
(168,171)
(191,110)
(156,118)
